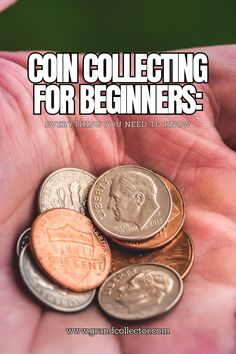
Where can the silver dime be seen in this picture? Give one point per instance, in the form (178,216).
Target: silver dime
(130,203)
(49,293)
(65,188)
(23,240)
(140,291)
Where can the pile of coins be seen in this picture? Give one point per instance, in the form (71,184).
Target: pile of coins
(127,222)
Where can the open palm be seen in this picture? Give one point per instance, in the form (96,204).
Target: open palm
(196,158)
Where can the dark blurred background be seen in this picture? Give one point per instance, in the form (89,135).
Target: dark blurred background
(129,25)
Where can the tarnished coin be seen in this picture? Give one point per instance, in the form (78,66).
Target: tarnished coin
(170,230)
(66,188)
(140,291)
(178,254)
(67,248)
(48,292)
(129,203)
(23,240)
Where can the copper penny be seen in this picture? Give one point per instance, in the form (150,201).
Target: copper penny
(69,250)
(48,292)
(179,255)
(170,230)
(130,203)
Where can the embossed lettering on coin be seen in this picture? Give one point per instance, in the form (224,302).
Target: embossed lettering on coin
(140,291)
(68,250)
(129,203)
(178,254)
(48,292)
(170,230)
(66,188)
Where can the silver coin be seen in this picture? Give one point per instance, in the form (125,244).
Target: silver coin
(23,240)
(66,188)
(49,293)
(140,291)
(129,203)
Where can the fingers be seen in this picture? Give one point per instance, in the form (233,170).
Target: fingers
(222,84)
(6,3)
(219,93)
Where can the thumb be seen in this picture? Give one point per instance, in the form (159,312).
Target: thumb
(6,3)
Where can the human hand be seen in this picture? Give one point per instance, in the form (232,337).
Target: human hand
(196,158)
(6,3)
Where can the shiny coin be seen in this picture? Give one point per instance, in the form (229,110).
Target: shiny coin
(171,229)
(23,240)
(49,293)
(66,188)
(67,248)
(129,203)
(140,291)
(178,254)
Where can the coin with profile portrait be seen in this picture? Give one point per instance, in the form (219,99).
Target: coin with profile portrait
(130,203)
(140,291)
(171,229)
